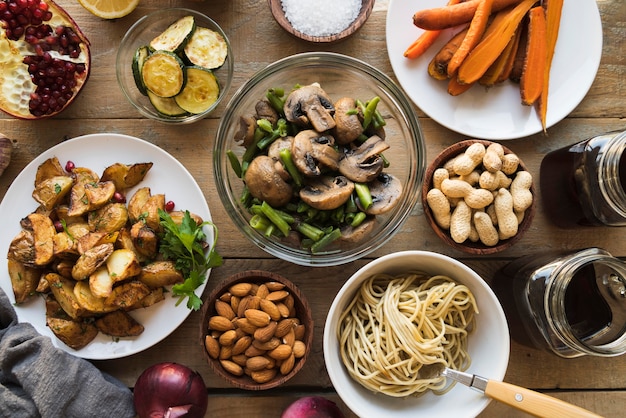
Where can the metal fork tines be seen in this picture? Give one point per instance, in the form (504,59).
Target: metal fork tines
(468,379)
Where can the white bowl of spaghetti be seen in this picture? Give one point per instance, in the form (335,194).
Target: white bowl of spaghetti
(397,321)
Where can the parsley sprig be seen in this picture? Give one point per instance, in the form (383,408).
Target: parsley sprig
(185,244)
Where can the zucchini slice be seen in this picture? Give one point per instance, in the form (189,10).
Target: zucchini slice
(175,37)
(141,55)
(162,73)
(166,105)
(200,92)
(206,48)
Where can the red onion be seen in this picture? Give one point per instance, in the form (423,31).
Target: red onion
(170,390)
(312,407)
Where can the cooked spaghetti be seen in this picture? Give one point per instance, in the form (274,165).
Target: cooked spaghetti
(399,332)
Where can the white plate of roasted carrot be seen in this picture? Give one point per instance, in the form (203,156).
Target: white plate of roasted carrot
(514,69)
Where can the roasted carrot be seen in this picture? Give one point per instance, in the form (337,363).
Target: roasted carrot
(518,62)
(553,21)
(438,66)
(531,82)
(492,45)
(455,88)
(474,34)
(501,68)
(449,16)
(425,40)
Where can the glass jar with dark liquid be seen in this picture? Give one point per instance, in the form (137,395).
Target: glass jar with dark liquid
(572,304)
(584,184)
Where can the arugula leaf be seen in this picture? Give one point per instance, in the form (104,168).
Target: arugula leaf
(185,244)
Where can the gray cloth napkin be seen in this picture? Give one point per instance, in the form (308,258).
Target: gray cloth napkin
(40,380)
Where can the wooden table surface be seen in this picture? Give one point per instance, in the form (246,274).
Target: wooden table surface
(598,384)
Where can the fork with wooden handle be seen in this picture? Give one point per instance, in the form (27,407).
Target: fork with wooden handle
(526,400)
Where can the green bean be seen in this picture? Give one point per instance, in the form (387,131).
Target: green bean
(257,209)
(358,219)
(275,97)
(350,205)
(326,240)
(246,197)
(368,113)
(338,214)
(309,231)
(234,163)
(285,156)
(363,192)
(253,148)
(275,218)
(259,222)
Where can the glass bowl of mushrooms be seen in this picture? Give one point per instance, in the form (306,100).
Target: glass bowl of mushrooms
(319,159)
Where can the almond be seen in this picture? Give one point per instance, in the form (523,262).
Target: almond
(299,349)
(242,345)
(224,309)
(232,367)
(244,304)
(265,333)
(290,338)
(257,318)
(225,297)
(240,359)
(254,351)
(257,363)
(287,365)
(270,308)
(283,309)
(267,345)
(300,331)
(281,352)
(263,376)
(277,295)
(262,291)
(240,289)
(234,302)
(274,286)
(228,338)
(245,325)
(283,327)
(220,323)
(212,346)
(226,352)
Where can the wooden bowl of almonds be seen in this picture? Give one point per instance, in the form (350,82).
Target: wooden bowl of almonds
(256,330)
(478,196)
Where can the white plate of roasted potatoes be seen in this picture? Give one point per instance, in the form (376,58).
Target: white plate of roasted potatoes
(88,266)
(496,112)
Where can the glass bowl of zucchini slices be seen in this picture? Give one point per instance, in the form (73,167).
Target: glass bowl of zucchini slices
(175,65)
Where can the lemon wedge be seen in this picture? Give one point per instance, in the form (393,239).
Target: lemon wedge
(109,9)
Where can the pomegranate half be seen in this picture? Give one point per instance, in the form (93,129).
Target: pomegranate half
(44,58)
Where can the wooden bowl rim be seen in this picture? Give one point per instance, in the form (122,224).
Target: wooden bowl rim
(469,247)
(279,15)
(303,312)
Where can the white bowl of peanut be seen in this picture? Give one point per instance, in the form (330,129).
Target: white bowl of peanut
(256,330)
(478,196)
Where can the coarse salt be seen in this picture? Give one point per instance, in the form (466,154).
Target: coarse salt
(321,17)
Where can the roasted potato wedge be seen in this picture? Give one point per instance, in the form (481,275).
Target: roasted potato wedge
(125,241)
(93,239)
(48,169)
(88,301)
(159,274)
(145,240)
(110,217)
(24,280)
(63,291)
(64,245)
(122,264)
(119,324)
(43,236)
(22,248)
(125,176)
(50,192)
(136,204)
(151,208)
(101,282)
(93,258)
(75,334)
(127,294)
(155,296)
(98,194)
(61,213)
(178,215)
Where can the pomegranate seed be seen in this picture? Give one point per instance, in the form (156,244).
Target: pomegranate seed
(69,166)
(58,226)
(119,197)
(169,206)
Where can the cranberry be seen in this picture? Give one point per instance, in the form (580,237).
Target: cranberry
(69,166)
(169,206)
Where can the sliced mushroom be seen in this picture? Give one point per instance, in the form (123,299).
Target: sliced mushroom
(310,105)
(364,163)
(356,234)
(265,183)
(326,192)
(386,191)
(245,134)
(279,144)
(348,126)
(264,110)
(312,152)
